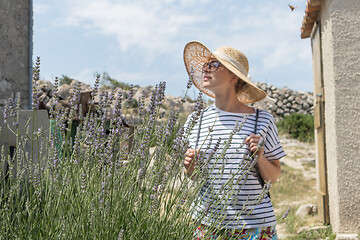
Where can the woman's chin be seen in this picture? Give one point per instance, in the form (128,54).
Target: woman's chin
(207,86)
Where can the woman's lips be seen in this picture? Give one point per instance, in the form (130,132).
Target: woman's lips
(207,78)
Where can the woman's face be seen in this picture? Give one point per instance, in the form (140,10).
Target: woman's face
(217,78)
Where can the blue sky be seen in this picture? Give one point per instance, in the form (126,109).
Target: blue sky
(141,41)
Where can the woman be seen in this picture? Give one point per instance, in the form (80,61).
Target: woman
(239,210)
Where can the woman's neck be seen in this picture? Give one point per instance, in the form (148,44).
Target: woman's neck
(230,103)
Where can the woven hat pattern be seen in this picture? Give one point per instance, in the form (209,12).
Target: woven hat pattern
(196,54)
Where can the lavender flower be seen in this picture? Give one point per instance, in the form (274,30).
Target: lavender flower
(131,92)
(286,213)
(141,103)
(95,89)
(199,104)
(121,235)
(74,102)
(54,99)
(191,77)
(35,79)
(118,106)
(97,169)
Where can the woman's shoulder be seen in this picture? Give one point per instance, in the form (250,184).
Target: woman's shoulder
(203,112)
(265,115)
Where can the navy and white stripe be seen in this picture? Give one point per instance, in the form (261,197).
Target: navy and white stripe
(233,203)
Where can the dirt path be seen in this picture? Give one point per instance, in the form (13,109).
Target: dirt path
(300,158)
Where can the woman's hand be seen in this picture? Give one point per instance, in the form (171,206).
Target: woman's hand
(253,141)
(269,171)
(189,162)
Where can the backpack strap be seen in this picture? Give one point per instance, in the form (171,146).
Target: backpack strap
(256,121)
(258,175)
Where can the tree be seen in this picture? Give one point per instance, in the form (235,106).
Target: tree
(113,83)
(65,80)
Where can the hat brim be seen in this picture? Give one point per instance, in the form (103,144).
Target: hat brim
(196,54)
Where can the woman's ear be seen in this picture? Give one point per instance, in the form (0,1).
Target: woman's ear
(234,79)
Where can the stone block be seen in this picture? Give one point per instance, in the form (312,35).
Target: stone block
(306,209)
(29,123)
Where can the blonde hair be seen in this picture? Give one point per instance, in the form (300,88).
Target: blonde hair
(239,85)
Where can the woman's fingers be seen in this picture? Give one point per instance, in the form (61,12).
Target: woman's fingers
(188,160)
(253,138)
(191,152)
(189,157)
(253,142)
(253,148)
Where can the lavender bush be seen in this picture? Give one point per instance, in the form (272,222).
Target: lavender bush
(87,184)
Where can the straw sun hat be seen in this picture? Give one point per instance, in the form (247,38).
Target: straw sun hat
(196,54)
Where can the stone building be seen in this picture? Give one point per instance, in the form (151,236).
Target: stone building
(16,50)
(334,29)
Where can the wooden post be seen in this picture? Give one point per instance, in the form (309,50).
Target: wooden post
(319,123)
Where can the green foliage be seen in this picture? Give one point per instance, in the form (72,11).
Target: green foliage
(113,83)
(292,185)
(299,126)
(65,80)
(323,233)
(133,103)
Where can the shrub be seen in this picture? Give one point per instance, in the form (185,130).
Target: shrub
(113,83)
(299,126)
(90,185)
(65,80)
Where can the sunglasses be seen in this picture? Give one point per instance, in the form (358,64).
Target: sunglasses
(212,66)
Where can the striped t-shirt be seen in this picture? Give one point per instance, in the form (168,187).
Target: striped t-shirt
(230,196)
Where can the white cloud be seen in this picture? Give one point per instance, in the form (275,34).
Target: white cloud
(139,30)
(86,75)
(39,8)
(160,26)
(272,34)
(154,26)
(286,53)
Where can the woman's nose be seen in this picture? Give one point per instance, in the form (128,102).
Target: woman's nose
(206,69)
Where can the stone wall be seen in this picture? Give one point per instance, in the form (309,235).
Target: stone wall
(15,50)
(280,102)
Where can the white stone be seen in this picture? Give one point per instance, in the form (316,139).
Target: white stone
(306,209)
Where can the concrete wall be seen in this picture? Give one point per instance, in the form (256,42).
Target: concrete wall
(15,49)
(29,123)
(340,29)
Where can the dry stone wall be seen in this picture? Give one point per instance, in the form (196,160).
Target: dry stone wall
(280,102)
(283,101)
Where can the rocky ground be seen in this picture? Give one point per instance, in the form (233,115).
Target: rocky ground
(299,162)
(299,155)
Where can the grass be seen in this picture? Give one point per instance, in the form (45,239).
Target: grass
(323,233)
(293,190)
(292,186)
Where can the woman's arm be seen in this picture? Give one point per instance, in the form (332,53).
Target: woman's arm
(269,170)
